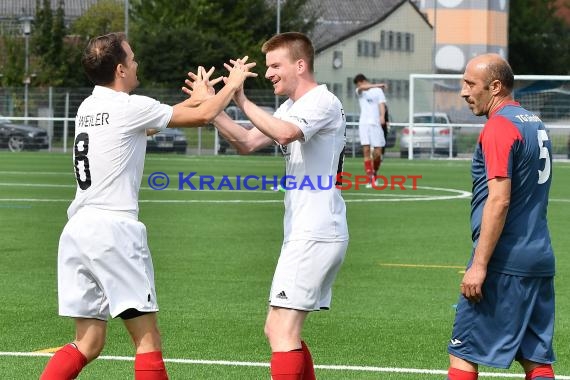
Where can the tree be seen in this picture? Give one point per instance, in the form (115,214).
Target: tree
(170,37)
(12,61)
(103,17)
(41,35)
(169,42)
(48,44)
(539,41)
(55,55)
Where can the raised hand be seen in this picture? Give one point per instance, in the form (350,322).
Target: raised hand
(199,87)
(239,72)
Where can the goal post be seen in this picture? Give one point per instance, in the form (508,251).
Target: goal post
(548,96)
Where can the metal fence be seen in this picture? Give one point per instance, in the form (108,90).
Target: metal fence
(54,110)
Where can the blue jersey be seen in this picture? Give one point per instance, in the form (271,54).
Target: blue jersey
(514,144)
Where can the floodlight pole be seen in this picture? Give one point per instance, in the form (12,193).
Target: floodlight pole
(27,29)
(278,31)
(433,88)
(278,16)
(127,18)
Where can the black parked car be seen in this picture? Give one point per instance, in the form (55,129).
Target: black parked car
(167,140)
(18,137)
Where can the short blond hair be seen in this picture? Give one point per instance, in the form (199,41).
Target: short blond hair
(298,45)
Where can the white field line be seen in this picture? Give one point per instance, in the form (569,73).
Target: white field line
(226,201)
(348,368)
(383,196)
(379,193)
(367,197)
(35,200)
(379,196)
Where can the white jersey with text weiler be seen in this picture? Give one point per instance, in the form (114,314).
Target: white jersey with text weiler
(109,148)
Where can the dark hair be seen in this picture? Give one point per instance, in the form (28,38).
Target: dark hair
(101,57)
(298,45)
(359,78)
(501,70)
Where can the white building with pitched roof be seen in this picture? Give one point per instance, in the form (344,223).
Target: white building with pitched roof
(384,40)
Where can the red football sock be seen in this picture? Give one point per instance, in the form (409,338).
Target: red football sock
(543,372)
(368,167)
(309,369)
(457,374)
(377,163)
(150,366)
(65,364)
(287,365)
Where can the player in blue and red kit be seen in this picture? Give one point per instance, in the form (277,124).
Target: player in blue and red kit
(506,308)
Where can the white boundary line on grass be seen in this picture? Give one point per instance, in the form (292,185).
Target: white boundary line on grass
(258,364)
(460,194)
(374,196)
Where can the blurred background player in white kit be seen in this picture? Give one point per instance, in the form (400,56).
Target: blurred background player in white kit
(372,123)
(104,264)
(309,127)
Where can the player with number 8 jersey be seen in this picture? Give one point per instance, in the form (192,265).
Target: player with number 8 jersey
(105,268)
(109,154)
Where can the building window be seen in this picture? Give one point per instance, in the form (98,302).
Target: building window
(367,48)
(337,89)
(360,48)
(409,42)
(350,87)
(390,90)
(399,41)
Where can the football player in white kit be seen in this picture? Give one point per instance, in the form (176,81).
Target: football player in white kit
(104,264)
(371,124)
(309,127)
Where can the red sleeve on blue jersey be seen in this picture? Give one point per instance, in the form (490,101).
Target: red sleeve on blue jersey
(497,140)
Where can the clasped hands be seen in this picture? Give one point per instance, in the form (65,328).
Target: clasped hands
(200,87)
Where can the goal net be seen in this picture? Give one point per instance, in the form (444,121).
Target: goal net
(441,125)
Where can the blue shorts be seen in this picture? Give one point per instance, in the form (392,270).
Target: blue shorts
(513,321)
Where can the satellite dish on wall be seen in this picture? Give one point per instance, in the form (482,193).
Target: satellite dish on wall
(450,57)
(337,63)
(337,60)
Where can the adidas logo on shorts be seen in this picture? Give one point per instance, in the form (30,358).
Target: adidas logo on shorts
(282,295)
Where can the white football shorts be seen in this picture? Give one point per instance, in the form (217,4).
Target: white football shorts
(305,274)
(104,266)
(371,134)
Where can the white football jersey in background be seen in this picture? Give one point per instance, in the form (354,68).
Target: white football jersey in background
(369,101)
